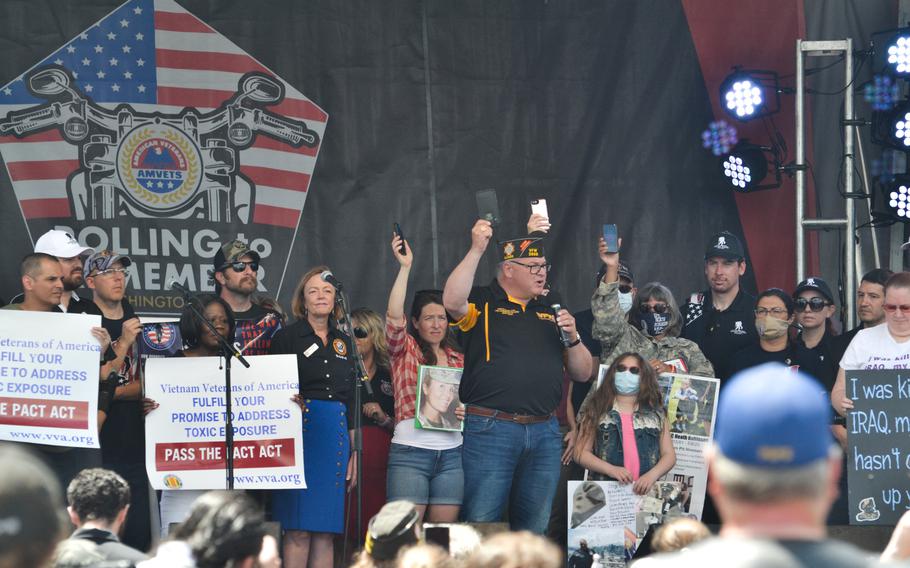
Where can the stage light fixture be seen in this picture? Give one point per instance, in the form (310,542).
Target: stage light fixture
(747,166)
(892,128)
(897,201)
(882,93)
(749,94)
(719,137)
(892,51)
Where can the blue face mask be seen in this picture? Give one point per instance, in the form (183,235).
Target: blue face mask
(625,302)
(626,382)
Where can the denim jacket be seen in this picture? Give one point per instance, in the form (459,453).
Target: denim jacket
(648,425)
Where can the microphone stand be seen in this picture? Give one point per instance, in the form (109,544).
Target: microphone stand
(228,351)
(361,380)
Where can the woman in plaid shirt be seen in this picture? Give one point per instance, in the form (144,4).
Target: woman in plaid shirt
(424,465)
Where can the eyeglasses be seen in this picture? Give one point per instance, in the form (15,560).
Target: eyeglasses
(111,272)
(624,288)
(776,312)
(815,304)
(360,333)
(656,308)
(240,266)
(891,308)
(622,369)
(534,268)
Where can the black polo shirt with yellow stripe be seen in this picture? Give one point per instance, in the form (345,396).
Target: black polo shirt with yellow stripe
(513,356)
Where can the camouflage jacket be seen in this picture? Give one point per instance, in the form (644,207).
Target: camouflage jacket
(617,336)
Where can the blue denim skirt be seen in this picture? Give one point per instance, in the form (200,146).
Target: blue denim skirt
(326,448)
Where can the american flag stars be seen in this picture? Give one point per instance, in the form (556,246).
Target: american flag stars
(117,55)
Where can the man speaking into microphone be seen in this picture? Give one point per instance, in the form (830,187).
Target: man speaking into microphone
(512,382)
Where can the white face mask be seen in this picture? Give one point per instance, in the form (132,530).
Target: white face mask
(625,302)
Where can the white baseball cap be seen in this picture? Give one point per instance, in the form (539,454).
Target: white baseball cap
(60,244)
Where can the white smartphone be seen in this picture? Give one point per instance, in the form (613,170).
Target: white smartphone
(539,206)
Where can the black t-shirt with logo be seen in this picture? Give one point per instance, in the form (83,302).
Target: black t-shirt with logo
(720,334)
(513,355)
(123,432)
(382,394)
(255,329)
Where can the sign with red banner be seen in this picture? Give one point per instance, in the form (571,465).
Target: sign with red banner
(185,435)
(49,364)
(153,135)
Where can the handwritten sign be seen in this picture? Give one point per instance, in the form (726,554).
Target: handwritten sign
(878,446)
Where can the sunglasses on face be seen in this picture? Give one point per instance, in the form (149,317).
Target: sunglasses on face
(240,266)
(656,308)
(622,369)
(815,304)
(624,288)
(360,333)
(891,308)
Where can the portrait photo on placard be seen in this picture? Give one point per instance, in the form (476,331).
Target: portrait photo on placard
(437,398)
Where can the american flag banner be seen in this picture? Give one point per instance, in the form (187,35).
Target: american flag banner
(152,134)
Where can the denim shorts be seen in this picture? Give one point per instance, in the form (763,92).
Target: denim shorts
(425,477)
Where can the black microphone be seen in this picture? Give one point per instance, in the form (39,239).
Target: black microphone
(327,276)
(174,285)
(563,334)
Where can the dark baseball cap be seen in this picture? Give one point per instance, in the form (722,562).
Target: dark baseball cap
(725,245)
(525,247)
(817,284)
(232,252)
(624,272)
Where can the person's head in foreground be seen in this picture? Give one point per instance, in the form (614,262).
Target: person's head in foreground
(99,497)
(31,510)
(390,530)
(678,534)
(223,530)
(774,464)
(522,549)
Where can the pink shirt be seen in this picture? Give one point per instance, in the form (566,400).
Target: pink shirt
(629,446)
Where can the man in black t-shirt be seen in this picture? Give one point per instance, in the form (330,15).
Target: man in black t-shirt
(123,433)
(236,280)
(721,319)
(512,381)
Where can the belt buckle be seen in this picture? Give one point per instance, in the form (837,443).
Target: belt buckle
(519,418)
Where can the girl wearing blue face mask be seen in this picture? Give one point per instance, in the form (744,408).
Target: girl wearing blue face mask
(623,432)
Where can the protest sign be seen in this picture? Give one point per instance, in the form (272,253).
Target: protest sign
(610,517)
(691,403)
(49,365)
(878,446)
(185,445)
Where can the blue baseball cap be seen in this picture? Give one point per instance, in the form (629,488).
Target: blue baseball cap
(771,416)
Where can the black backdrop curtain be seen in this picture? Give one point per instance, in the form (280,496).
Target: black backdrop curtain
(595,106)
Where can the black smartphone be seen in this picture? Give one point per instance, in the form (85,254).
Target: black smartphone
(610,237)
(437,534)
(488,205)
(397,229)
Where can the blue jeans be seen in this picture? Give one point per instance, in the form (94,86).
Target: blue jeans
(424,476)
(509,463)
